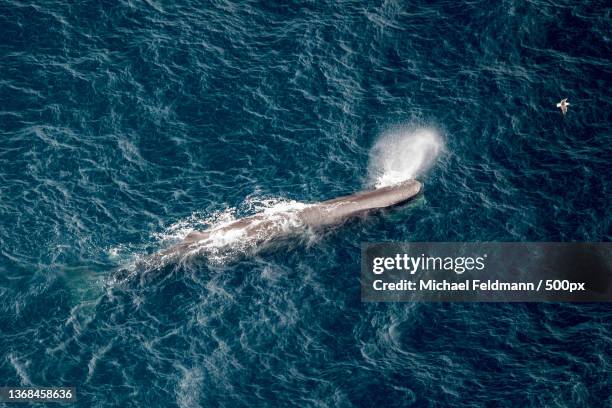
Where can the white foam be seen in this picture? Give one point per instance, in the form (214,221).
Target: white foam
(220,244)
(403,153)
(195,222)
(20,369)
(272,206)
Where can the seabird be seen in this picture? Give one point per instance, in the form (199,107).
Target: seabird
(563,106)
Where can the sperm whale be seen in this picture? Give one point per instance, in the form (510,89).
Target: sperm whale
(261,228)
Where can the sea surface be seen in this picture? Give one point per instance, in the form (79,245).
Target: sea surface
(124,125)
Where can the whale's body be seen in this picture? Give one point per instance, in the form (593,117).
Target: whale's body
(256,231)
(261,228)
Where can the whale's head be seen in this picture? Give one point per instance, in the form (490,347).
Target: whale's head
(382,197)
(333,211)
(390,196)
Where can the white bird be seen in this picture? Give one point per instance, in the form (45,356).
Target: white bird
(563,106)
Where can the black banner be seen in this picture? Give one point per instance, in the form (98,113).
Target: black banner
(487,272)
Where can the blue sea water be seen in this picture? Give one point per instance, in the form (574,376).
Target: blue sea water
(126,124)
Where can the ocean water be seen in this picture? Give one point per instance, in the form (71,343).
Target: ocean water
(127,124)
